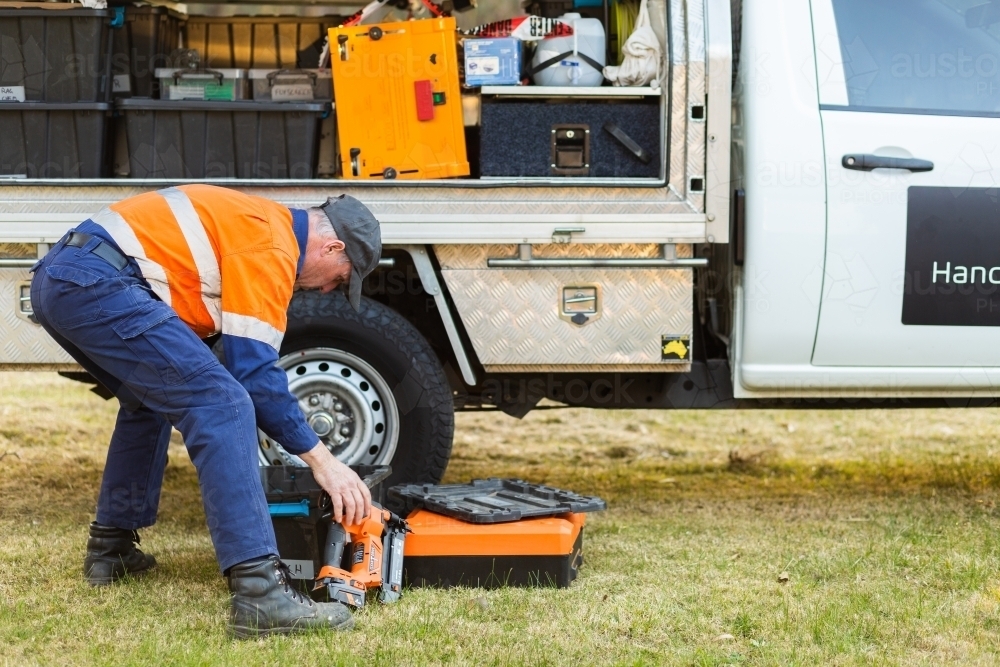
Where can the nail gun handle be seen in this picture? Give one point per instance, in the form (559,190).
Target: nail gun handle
(336,539)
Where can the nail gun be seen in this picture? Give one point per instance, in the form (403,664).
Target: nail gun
(374,560)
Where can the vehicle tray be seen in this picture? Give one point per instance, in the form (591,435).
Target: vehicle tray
(494,500)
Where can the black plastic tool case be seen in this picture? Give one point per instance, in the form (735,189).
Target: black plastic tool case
(301,538)
(43,140)
(493,500)
(244,139)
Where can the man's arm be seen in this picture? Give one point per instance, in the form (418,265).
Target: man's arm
(256,290)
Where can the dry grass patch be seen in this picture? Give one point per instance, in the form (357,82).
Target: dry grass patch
(884,522)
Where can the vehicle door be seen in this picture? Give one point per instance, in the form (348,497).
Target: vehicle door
(910,106)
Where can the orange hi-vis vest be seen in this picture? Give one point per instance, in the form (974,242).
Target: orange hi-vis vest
(223,260)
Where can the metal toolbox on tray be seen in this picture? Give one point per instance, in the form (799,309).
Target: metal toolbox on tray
(522,317)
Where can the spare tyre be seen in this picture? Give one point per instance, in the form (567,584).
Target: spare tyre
(370,386)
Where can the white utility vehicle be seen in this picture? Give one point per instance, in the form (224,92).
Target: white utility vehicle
(824,231)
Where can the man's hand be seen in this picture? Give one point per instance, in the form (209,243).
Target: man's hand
(352,501)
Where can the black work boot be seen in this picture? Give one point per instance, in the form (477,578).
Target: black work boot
(111,554)
(265,602)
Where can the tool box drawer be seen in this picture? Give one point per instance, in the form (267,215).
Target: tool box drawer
(570,138)
(168,139)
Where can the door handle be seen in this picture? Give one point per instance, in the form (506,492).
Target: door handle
(867,162)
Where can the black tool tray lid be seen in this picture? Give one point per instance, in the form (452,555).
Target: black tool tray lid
(494,500)
(293,483)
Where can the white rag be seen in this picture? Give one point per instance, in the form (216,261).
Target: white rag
(641,63)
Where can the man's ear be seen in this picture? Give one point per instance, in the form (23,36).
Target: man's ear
(330,247)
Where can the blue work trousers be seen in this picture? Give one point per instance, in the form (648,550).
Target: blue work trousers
(111,322)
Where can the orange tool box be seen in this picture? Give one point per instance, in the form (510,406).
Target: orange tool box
(442,551)
(399,108)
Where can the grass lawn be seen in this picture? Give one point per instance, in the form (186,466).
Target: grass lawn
(884,522)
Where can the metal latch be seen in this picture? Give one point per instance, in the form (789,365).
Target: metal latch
(580,304)
(570,150)
(562,235)
(22,291)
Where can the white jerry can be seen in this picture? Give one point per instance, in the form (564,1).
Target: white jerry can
(576,60)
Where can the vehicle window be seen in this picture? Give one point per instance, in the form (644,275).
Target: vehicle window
(932,55)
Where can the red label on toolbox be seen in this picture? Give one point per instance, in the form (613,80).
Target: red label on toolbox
(425,99)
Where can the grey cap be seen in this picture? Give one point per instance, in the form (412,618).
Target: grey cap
(359,230)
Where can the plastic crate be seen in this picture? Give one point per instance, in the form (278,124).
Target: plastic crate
(44,140)
(192,139)
(290,85)
(56,55)
(142,46)
(296,503)
(221,85)
(270,42)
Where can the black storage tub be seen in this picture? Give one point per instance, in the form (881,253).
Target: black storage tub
(42,140)
(244,139)
(142,45)
(58,55)
(301,538)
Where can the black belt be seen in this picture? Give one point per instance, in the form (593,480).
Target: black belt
(102,249)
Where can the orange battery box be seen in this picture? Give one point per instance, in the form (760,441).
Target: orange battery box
(442,551)
(398,105)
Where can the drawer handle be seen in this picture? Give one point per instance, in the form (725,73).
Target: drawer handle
(627,141)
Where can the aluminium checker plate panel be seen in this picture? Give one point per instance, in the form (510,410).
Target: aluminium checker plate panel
(23,344)
(513,318)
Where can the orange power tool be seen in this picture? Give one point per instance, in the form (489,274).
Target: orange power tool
(373,562)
